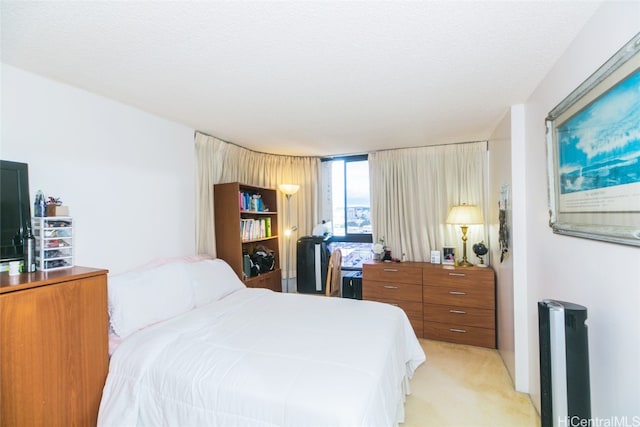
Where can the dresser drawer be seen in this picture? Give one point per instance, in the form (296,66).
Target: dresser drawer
(466,276)
(460,295)
(391,291)
(460,334)
(456,315)
(270,280)
(413,310)
(393,272)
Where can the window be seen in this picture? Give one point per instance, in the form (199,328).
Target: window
(347,194)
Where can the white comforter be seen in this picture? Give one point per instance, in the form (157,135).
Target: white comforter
(260,358)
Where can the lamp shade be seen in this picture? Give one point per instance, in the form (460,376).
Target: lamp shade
(289,189)
(465,215)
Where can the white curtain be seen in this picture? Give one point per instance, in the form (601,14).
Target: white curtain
(219,161)
(411,193)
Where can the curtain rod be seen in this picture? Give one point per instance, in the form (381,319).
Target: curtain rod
(340,156)
(337,156)
(430,145)
(250,149)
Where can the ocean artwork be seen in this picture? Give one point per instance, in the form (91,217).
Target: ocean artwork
(599,147)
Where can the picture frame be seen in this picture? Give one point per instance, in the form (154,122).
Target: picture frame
(435,257)
(448,255)
(593,154)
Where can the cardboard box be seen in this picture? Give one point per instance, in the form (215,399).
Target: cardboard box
(53,210)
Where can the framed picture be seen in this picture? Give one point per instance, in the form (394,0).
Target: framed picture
(593,152)
(448,255)
(435,257)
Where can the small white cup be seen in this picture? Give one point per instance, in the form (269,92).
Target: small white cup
(14,268)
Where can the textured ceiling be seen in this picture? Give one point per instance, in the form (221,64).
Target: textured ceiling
(302,77)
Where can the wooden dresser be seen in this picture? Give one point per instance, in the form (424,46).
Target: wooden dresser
(443,303)
(53,347)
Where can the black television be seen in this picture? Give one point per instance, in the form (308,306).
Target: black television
(15,209)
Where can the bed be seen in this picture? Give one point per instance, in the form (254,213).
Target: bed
(236,356)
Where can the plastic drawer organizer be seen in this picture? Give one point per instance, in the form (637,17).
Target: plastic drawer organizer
(54,242)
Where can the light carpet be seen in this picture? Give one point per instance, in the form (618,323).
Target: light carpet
(462,385)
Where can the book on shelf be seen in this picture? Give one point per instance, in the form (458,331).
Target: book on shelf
(251,202)
(253,229)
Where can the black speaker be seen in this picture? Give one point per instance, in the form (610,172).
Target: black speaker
(352,285)
(565,397)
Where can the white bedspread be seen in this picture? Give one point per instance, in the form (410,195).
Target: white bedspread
(260,358)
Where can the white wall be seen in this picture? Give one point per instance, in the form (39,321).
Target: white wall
(127,176)
(602,276)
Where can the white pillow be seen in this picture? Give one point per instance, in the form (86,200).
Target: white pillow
(211,280)
(140,298)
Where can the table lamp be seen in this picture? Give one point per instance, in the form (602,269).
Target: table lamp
(464,215)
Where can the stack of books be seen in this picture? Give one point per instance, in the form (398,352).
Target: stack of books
(251,202)
(254,229)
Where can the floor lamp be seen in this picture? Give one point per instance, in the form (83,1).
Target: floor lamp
(464,215)
(288,190)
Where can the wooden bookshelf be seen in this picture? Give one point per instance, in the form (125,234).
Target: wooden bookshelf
(233,217)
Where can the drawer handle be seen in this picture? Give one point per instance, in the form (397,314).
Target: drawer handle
(391,270)
(456,274)
(460,331)
(457,312)
(457,293)
(390,287)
